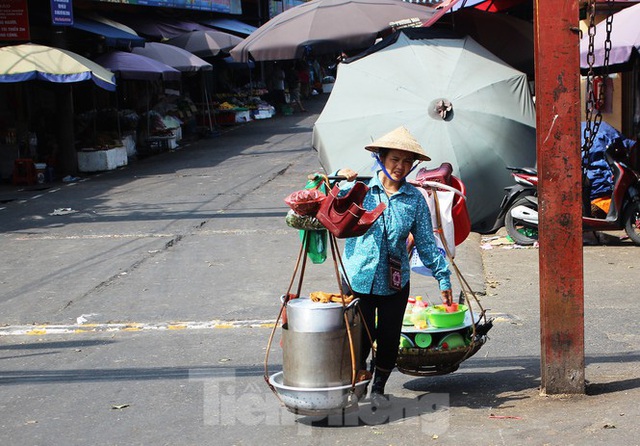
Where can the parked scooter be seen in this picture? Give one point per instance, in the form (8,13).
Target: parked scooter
(526,179)
(521,217)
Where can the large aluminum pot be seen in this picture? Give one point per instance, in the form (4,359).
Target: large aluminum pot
(320,359)
(307,316)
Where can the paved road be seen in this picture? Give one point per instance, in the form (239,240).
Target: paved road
(139,315)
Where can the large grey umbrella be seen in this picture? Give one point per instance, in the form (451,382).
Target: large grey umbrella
(625,41)
(136,67)
(132,66)
(403,81)
(205,43)
(326,26)
(181,60)
(173,56)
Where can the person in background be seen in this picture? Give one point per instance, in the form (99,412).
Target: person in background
(277,85)
(304,75)
(293,82)
(377,263)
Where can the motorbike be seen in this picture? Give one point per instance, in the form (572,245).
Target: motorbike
(521,210)
(526,185)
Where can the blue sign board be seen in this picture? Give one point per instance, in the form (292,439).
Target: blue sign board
(62,12)
(226,6)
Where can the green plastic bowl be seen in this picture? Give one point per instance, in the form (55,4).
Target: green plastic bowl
(439,318)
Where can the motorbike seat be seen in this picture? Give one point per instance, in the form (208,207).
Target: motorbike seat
(440,174)
(527,170)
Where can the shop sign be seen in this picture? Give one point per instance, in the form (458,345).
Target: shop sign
(226,6)
(61,12)
(14,20)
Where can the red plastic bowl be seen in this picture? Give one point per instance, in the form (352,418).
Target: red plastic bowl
(305,202)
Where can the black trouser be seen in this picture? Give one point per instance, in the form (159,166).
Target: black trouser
(390,310)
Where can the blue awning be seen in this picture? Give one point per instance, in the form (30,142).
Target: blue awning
(230,25)
(113,36)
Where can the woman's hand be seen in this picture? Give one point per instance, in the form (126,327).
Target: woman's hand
(447,296)
(349,174)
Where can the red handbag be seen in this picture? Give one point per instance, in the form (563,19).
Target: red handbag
(344,216)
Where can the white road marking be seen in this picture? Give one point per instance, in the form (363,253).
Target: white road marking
(150,235)
(52,329)
(46,329)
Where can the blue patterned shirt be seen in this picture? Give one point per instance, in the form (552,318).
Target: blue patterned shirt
(366,257)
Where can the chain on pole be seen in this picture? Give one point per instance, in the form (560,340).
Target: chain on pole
(592,103)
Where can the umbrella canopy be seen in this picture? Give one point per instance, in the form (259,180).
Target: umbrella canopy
(109,35)
(402,81)
(205,43)
(106,21)
(157,27)
(490,5)
(326,26)
(625,41)
(29,61)
(173,56)
(506,36)
(136,67)
(232,25)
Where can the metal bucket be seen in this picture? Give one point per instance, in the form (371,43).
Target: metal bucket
(320,359)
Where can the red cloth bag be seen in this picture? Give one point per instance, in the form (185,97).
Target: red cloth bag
(344,216)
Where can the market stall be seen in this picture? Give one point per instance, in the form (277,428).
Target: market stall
(42,130)
(234,108)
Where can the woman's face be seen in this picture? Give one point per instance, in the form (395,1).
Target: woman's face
(398,163)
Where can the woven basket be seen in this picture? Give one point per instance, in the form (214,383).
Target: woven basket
(431,362)
(305,222)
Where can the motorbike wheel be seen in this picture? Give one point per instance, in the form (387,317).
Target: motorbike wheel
(632,222)
(521,234)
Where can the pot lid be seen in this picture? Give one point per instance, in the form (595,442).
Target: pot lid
(306,303)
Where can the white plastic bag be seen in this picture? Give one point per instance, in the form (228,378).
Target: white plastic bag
(445,202)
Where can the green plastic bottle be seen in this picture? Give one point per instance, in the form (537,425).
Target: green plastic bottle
(316,247)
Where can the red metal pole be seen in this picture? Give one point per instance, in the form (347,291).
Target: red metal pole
(560,230)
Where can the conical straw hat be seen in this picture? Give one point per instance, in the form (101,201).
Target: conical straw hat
(399,139)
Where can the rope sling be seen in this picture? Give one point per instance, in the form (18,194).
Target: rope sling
(300,265)
(431,362)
